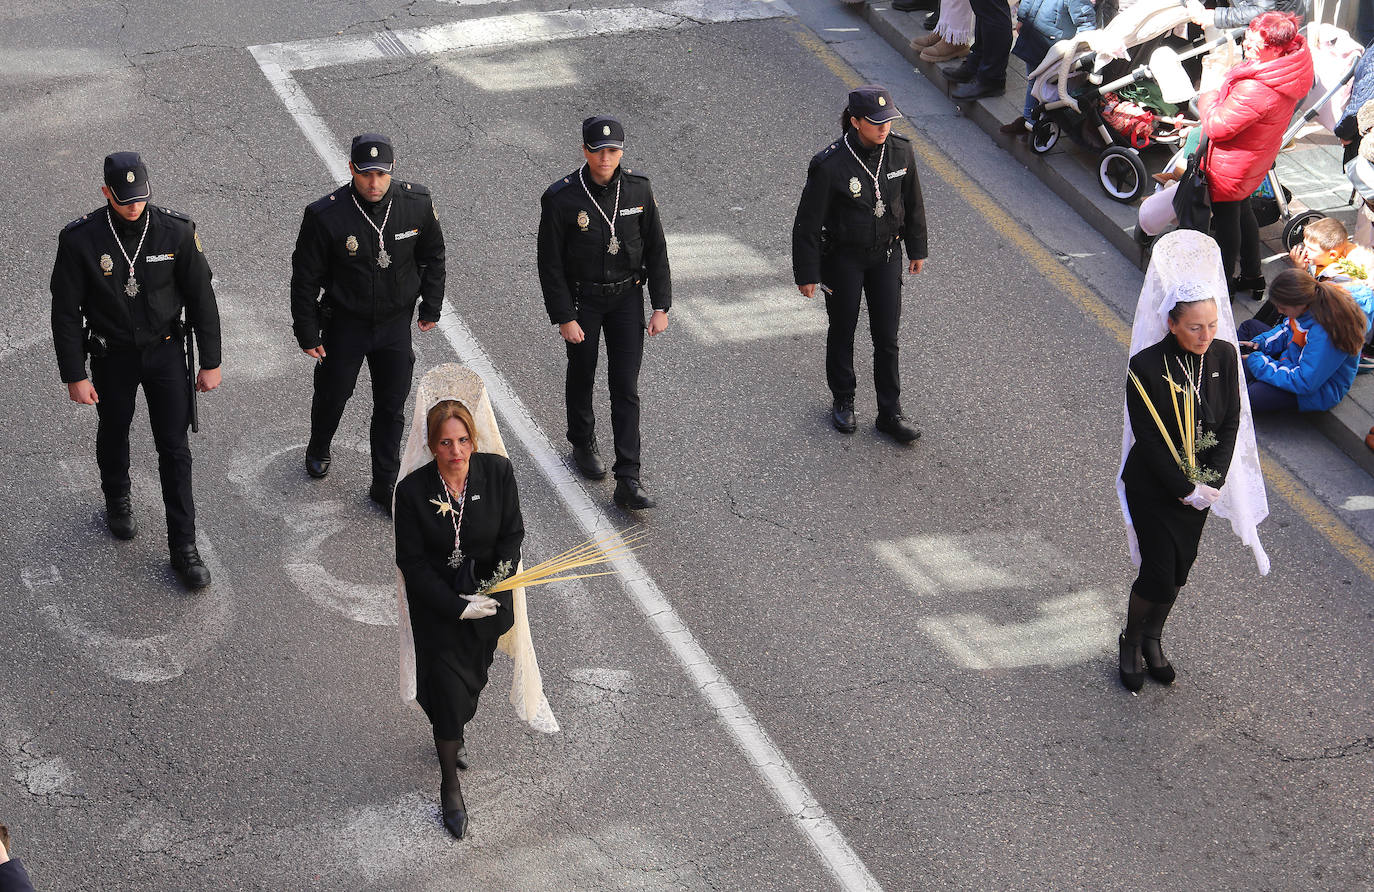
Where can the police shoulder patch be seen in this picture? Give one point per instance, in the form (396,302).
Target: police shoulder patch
(414,189)
(560,184)
(634,175)
(177,214)
(82,220)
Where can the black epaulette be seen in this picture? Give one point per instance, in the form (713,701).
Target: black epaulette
(630,173)
(560,184)
(83,220)
(825,152)
(414,189)
(321,205)
(895,135)
(177,214)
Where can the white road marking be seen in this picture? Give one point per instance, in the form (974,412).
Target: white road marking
(36,577)
(1067,630)
(155,658)
(38,772)
(751,316)
(529,70)
(767,759)
(1358,503)
(713,255)
(936,564)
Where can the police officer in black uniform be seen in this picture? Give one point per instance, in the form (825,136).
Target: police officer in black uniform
(372,247)
(600,240)
(862,200)
(123,275)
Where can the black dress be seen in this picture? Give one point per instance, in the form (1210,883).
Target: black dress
(1167,530)
(452,655)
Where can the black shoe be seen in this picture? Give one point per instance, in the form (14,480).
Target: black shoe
(932,20)
(190,569)
(912,5)
(977,88)
(588,461)
(461,759)
(1253,284)
(317,466)
(454,810)
(898,428)
(842,415)
(1132,665)
(961,73)
(119,516)
(629,494)
(381,493)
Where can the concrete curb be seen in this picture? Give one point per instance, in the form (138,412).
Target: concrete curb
(1070,172)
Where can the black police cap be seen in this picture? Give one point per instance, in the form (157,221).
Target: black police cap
(873,103)
(602,132)
(372,151)
(127,178)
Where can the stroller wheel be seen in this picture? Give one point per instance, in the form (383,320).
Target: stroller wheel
(1121,173)
(1044,135)
(1293,229)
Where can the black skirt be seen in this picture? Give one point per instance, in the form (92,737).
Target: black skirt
(1168,532)
(448,683)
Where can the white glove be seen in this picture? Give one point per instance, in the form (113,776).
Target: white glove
(479,607)
(1202,497)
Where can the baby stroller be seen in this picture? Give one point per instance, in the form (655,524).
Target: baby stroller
(1069,84)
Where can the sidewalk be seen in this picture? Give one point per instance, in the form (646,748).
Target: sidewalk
(1311,169)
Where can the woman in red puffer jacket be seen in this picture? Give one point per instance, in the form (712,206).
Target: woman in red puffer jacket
(1244,122)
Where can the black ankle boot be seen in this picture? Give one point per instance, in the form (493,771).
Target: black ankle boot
(1132,664)
(1160,669)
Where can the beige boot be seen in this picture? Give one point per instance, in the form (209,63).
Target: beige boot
(944,51)
(930,38)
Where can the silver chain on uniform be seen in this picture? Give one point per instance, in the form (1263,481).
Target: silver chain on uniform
(613,246)
(383,258)
(456,559)
(878,209)
(131,287)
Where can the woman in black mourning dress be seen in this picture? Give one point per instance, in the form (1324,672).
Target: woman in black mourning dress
(458,528)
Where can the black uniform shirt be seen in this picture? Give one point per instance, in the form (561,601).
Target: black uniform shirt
(90,274)
(573,237)
(838,201)
(336,252)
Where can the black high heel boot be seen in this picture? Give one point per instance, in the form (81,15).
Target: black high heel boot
(1159,667)
(1132,662)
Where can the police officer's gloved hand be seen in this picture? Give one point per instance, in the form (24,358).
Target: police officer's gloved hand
(1202,497)
(479,607)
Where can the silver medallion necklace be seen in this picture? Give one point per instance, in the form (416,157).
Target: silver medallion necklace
(383,258)
(131,287)
(878,209)
(613,246)
(455,560)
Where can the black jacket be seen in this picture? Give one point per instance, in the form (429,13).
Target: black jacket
(837,204)
(573,237)
(1149,465)
(493,531)
(336,252)
(1241,13)
(90,273)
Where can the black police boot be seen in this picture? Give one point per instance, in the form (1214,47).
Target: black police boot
(381,492)
(588,461)
(961,73)
(977,88)
(842,415)
(119,516)
(629,494)
(898,428)
(190,569)
(317,466)
(1158,665)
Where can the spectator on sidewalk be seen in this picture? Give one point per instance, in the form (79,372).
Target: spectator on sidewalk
(1307,362)
(952,35)
(983,72)
(13,876)
(1044,23)
(1244,121)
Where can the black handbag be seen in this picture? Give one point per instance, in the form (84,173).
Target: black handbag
(1193,198)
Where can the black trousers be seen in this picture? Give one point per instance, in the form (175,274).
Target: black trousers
(879,278)
(623,325)
(161,370)
(992,40)
(390,360)
(1237,234)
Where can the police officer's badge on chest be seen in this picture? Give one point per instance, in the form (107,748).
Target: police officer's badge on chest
(106,264)
(351,245)
(583,220)
(855,187)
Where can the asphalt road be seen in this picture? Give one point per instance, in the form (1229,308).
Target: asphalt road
(925,635)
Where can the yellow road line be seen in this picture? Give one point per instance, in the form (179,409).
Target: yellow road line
(1277,478)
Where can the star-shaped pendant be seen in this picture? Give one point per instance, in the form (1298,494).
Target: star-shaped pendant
(444,506)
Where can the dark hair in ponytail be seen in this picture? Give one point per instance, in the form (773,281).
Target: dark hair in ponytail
(1330,304)
(845,124)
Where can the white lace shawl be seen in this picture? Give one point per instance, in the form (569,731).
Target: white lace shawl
(1185,267)
(454,382)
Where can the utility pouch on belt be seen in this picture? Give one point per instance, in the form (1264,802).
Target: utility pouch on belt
(96,346)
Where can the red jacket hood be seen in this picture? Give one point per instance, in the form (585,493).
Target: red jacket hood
(1289,75)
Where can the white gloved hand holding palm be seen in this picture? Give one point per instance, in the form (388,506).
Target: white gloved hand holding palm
(479,607)
(1202,497)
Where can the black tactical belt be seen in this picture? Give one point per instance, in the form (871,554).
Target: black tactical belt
(608,289)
